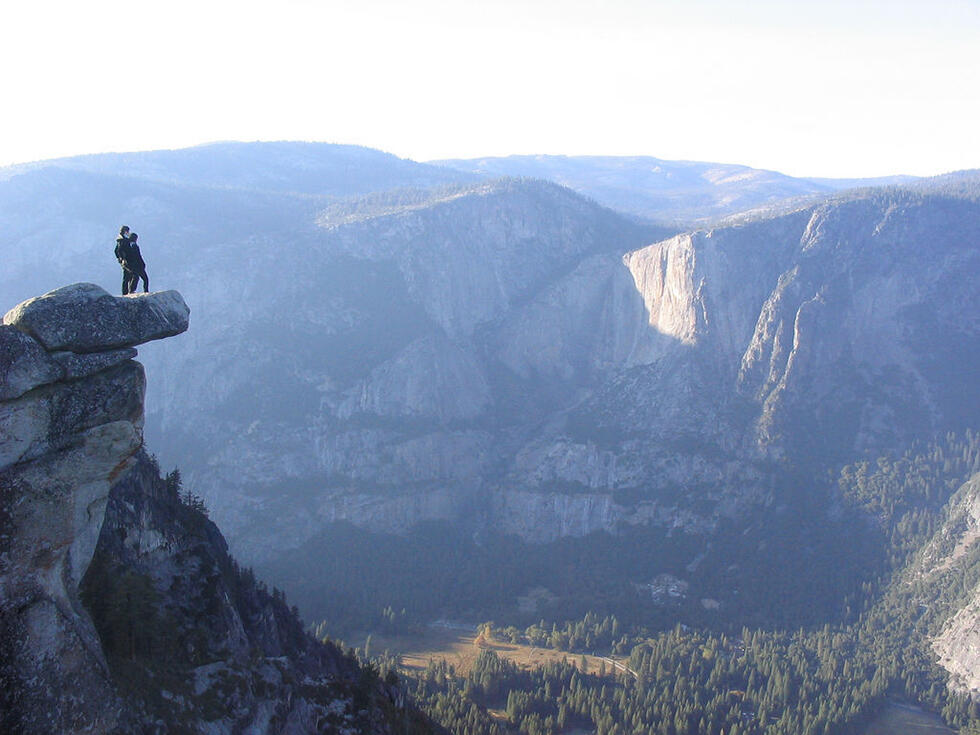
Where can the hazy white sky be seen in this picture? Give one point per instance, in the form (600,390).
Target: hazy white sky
(810,88)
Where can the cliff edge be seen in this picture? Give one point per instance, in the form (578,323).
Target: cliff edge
(120,608)
(71,420)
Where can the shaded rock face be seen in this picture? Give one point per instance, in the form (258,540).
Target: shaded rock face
(70,426)
(24,364)
(865,337)
(197,645)
(49,418)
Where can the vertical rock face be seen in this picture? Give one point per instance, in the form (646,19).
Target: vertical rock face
(70,425)
(864,337)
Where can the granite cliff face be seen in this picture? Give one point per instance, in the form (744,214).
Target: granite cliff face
(120,608)
(70,426)
(843,327)
(511,358)
(480,355)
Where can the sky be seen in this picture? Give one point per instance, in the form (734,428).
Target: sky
(830,88)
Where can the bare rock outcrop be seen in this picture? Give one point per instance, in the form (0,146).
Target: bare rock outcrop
(84,317)
(71,420)
(24,364)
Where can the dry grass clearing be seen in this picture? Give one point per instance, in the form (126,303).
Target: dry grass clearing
(460,648)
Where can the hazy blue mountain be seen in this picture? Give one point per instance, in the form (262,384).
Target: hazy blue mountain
(288,167)
(507,359)
(652,188)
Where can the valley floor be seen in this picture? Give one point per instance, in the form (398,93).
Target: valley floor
(460,649)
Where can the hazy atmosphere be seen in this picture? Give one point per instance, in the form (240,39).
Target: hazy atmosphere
(843,89)
(515,368)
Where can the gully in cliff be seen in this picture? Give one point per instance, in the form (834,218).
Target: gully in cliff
(71,420)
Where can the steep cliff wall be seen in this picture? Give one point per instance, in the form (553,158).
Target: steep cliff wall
(70,426)
(864,337)
(410,358)
(120,608)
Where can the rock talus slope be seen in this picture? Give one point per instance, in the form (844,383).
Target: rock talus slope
(957,644)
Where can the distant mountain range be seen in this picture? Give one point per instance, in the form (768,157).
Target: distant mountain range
(319,169)
(402,358)
(666,191)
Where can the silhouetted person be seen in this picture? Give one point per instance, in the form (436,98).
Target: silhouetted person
(137,266)
(122,255)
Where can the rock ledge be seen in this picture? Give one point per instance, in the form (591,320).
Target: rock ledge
(84,318)
(71,424)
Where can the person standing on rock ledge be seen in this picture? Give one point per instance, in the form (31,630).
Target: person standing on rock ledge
(122,255)
(137,266)
(129,257)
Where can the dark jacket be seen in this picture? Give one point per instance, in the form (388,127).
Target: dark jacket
(135,259)
(122,251)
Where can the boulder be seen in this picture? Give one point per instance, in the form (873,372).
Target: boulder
(84,318)
(23,364)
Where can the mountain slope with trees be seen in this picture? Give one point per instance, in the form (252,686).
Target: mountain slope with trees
(498,386)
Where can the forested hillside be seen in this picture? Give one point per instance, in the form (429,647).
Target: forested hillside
(831,678)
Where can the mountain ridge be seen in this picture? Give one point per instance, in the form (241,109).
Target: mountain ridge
(662,190)
(289,167)
(526,362)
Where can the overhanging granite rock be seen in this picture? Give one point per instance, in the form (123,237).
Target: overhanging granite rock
(84,318)
(71,420)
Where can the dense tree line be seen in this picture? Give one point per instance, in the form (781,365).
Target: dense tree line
(685,682)
(820,680)
(906,495)
(816,555)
